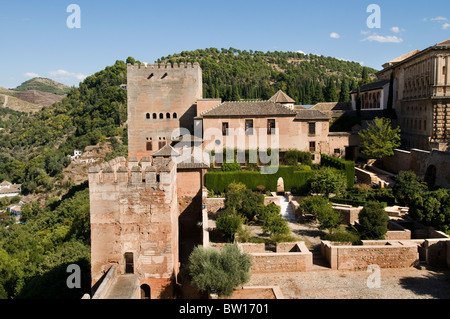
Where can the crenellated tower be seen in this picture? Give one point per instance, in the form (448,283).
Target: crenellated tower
(134,220)
(161,99)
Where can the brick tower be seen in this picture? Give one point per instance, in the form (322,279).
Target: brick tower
(161,98)
(134,221)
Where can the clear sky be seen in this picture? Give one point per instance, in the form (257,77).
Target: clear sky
(36,39)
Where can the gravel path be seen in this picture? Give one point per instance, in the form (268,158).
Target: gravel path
(409,283)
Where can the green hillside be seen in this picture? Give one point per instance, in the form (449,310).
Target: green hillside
(44,85)
(232,74)
(34,149)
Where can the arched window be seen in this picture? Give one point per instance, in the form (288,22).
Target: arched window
(147,115)
(145,291)
(154,116)
(167,115)
(174,115)
(161,116)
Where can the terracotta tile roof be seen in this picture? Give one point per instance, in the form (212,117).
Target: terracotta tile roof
(309,114)
(444,43)
(166,151)
(332,106)
(252,108)
(281,97)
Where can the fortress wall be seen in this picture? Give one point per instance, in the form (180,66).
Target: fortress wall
(134,211)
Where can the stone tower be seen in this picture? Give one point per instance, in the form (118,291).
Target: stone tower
(134,221)
(161,99)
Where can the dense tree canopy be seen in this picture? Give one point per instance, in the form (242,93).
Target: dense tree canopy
(379,139)
(233,74)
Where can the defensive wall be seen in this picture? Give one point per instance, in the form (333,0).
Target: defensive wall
(134,220)
(432,165)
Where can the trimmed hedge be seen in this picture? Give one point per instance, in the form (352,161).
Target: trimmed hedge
(347,166)
(219,181)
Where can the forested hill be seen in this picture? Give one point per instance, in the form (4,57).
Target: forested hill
(232,74)
(34,148)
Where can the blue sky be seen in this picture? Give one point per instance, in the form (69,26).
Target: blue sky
(37,41)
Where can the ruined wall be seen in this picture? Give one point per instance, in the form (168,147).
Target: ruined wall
(134,209)
(429,165)
(290,257)
(161,98)
(391,255)
(437,251)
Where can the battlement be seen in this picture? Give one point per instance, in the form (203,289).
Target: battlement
(155,66)
(157,173)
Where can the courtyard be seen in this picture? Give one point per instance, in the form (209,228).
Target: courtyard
(406,283)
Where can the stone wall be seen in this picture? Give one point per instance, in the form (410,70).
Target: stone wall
(214,204)
(300,259)
(134,210)
(432,165)
(348,213)
(437,252)
(189,182)
(393,254)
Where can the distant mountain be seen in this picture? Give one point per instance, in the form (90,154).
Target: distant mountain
(9,99)
(44,85)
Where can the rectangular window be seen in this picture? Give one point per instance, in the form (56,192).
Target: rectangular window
(161,144)
(270,127)
(312,129)
(337,151)
(129,263)
(149,146)
(225,129)
(312,146)
(444,70)
(249,127)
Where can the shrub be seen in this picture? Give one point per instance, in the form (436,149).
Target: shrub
(326,181)
(222,271)
(373,221)
(347,166)
(321,208)
(343,236)
(407,186)
(273,222)
(219,181)
(432,209)
(229,223)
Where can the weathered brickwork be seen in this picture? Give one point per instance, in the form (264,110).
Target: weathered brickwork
(161,98)
(390,255)
(134,221)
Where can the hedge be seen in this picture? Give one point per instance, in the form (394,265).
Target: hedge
(347,166)
(219,181)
